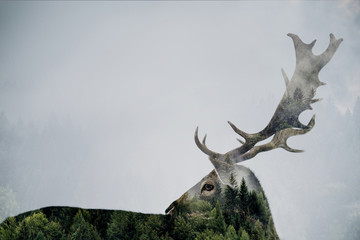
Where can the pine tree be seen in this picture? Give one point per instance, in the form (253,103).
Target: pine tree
(231,193)
(117,226)
(54,231)
(243,196)
(153,228)
(217,221)
(40,236)
(298,95)
(232,180)
(264,211)
(230,233)
(254,204)
(32,225)
(82,230)
(209,235)
(258,231)
(182,229)
(271,231)
(244,235)
(9,230)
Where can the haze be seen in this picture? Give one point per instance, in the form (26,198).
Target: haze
(100,101)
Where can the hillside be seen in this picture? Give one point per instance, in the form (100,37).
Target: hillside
(239,214)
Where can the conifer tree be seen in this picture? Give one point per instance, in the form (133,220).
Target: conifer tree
(117,227)
(264,211)
(230,233)
(32,225)
(40,236)
(232,180)
(9,230)
(82,230)
(244,235)
(231,202)
(271,231)
(243,196)
(217,222)
(254,208)
(258,231)
(151,229)
(182,229)
(209,235)
(54,231)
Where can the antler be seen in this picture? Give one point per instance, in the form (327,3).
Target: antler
(298,97)
(279,141)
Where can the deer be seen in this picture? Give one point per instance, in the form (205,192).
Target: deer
(299,95)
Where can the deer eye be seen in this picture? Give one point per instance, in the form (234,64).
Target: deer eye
(207,187)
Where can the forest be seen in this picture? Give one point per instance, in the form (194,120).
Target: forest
(337,212)
(239,214)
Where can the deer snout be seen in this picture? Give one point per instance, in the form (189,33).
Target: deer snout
(171,208)
(174,205)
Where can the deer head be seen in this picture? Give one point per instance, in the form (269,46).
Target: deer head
(298,97)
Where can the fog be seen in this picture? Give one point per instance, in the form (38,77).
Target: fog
(99,102)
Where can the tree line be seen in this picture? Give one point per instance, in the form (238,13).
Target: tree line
(239,214)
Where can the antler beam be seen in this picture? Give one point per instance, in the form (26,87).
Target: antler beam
(298,97)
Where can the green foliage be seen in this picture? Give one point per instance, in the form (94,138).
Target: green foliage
(40,236)
(217,221)
(238,214)
(231,233)
(153,228)
(182,229)
(117,226)
(244,235)
(199,222)
(258,207)
(258,231)
(264,211)
(82,230)
(231,200)
(200,206)
(9,230)
(270,230)
(209,235)
(32,225)
(54,231)
(243,196)
(63,215)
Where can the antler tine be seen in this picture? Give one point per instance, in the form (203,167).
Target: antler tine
(331,49)
(287,81)
(279,141)
(250,139)
(202,146)
(238,131)
(301,89)
(204,140)
(307,62)
(281,137)
(240,141)
(316,100)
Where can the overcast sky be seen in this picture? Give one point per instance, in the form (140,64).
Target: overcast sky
(136,79)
